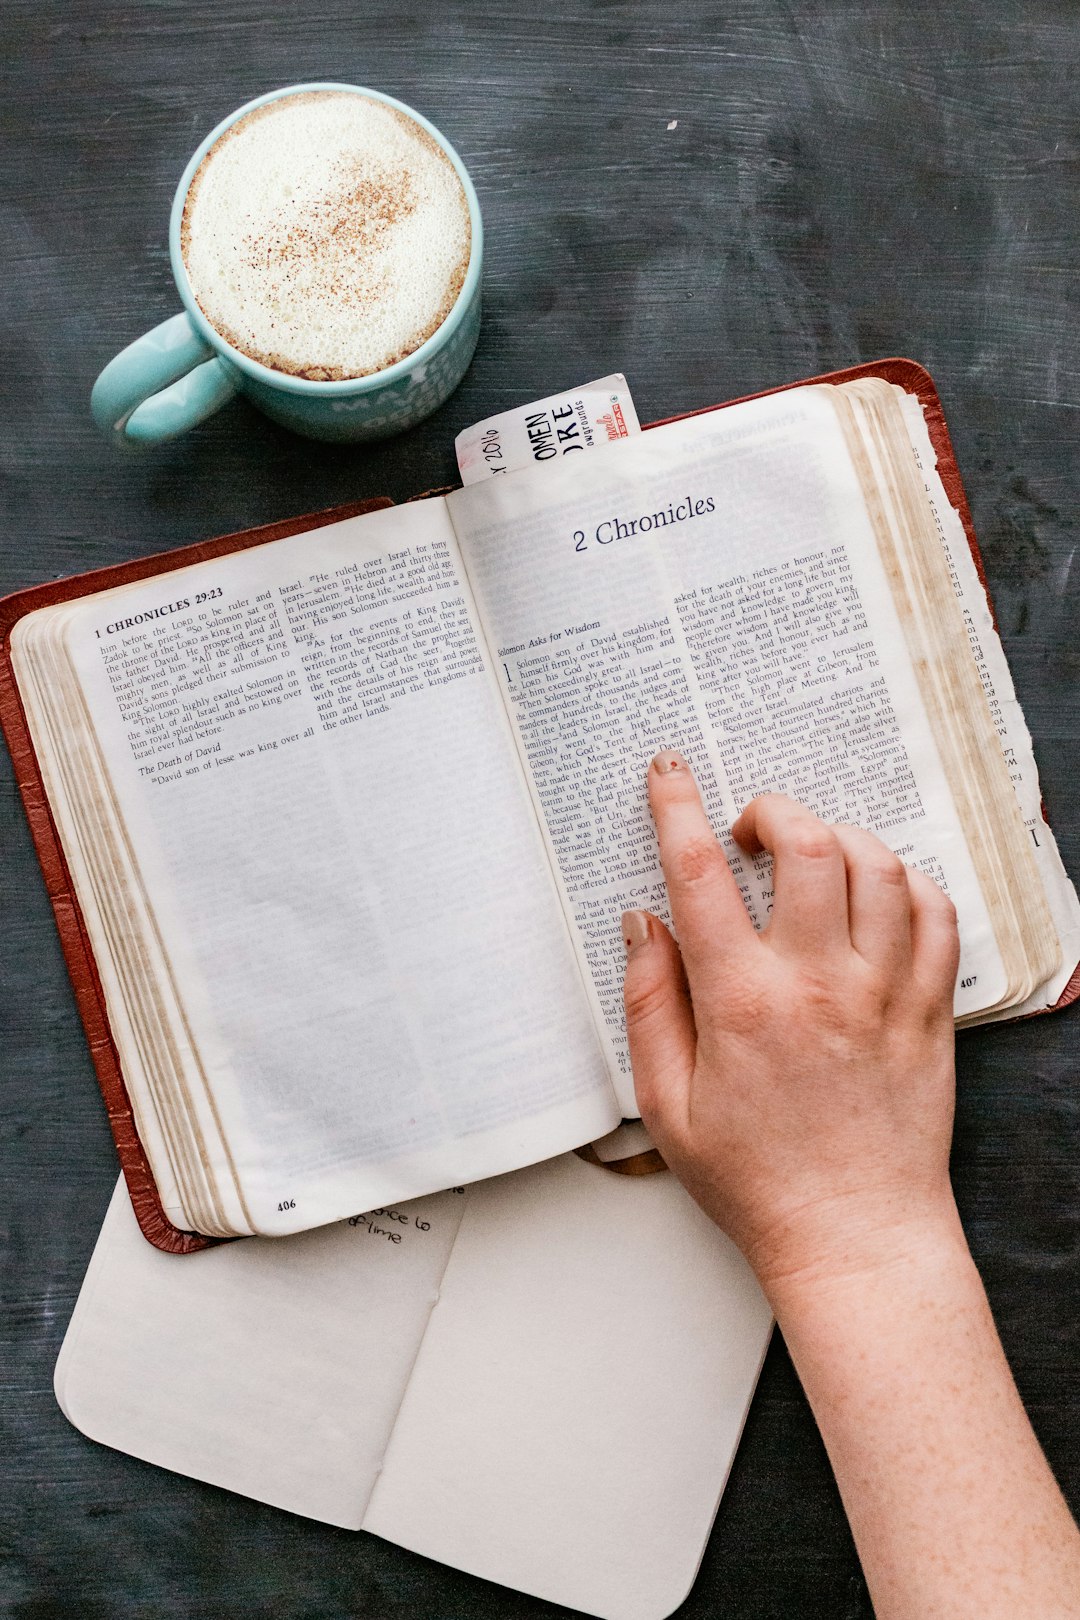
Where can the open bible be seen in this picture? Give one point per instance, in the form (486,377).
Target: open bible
(349,817)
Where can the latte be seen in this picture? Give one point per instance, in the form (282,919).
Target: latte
(326,235)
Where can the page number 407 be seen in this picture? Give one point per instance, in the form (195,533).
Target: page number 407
(966,984)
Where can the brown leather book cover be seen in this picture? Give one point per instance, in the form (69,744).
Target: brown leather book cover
(73,938)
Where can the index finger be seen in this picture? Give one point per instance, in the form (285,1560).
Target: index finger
(710,919)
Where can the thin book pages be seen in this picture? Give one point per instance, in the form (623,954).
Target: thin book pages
(351,817)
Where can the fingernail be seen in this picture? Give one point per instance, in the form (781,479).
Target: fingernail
(670,761)
(635,929)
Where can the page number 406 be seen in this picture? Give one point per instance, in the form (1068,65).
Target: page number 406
(286,1203)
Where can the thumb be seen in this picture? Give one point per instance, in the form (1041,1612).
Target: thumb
(659,1019)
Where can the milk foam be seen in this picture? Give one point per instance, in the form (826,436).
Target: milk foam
(326,235)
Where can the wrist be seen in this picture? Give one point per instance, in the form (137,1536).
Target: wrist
(862,1254)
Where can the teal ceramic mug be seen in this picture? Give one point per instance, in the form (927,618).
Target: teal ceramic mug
(177,375)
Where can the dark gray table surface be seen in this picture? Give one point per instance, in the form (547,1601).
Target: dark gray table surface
(844,182)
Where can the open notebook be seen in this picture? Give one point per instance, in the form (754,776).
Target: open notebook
(540,1379)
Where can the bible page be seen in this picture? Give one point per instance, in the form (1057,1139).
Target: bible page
(713,586)
(275,1370)
(314,770)
(1008,717)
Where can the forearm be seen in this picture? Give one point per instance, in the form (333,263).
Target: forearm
(800,1083)
(953,1507)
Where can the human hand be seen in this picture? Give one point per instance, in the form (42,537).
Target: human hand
(799,1082)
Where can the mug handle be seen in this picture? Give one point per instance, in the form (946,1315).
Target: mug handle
(165,382)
